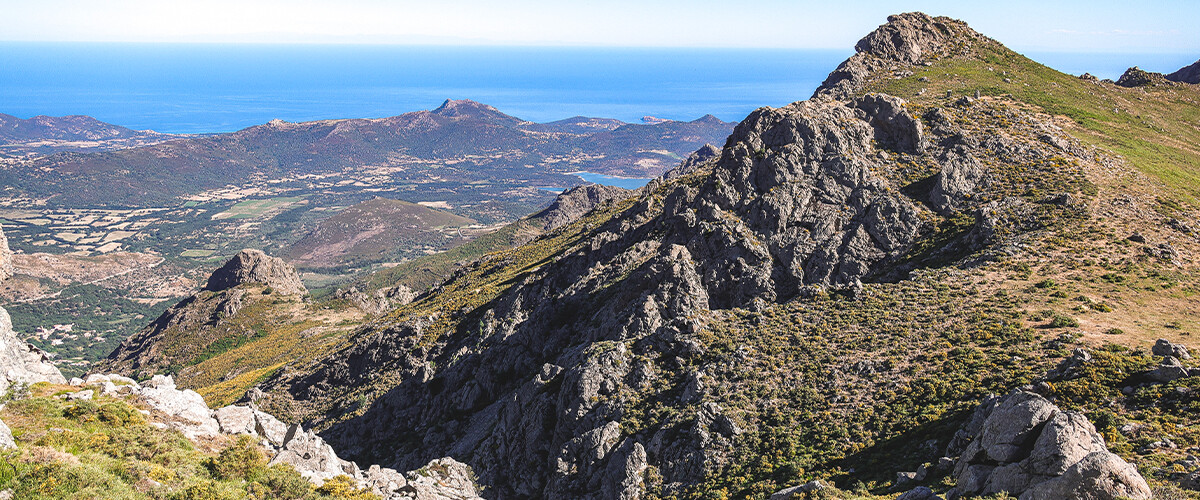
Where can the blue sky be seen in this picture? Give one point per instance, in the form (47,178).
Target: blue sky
(1091,26)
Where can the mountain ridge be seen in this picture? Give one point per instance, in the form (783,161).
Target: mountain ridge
(827,205)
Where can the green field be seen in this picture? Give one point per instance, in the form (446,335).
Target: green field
(251,209)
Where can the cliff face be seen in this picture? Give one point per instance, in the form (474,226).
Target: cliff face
(535,385)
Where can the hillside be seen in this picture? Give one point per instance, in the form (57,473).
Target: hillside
(380,230)
(460,143)
(827,299)
(830,298)
(52,134)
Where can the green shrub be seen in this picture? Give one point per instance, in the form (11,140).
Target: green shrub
(240,460)
(1063,321)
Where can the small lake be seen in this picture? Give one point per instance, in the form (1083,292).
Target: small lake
(612,180)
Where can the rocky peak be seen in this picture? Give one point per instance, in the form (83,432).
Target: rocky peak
(1137,77)
(906,39)
(914,36)
(466,108)
(577,201)
(1187,74)
(254,266)
(699,157)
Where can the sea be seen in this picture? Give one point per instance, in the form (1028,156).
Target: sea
(207,88)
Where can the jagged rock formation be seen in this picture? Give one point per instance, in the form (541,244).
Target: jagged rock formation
(574,202)
(906,39)
(529,387)
(1137,77)
(1025,445)
(316,461)
(1187,74)
(254,266)
(20,362)
(185,330)
(693,162)
(380,301)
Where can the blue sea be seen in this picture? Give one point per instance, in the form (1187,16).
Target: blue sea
(181,88)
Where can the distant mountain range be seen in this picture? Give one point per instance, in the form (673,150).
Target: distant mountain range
(460,132)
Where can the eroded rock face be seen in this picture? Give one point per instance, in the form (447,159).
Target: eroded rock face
(906,39)
(1027,446)
(694,161)
(577,201)
(254,266)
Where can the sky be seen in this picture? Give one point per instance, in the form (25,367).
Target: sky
(1044,25)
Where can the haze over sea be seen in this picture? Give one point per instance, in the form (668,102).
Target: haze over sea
(202,88)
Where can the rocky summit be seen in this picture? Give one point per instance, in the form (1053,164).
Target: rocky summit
(254,266)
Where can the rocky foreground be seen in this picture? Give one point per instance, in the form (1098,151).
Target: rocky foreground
(185,411)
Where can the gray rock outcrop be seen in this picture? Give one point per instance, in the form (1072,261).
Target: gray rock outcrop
(254,266)
(1028,447)
(1187,74)
(906,39)
(1137,77)
(305,451)
(693,162)
(576,202)
(1164,347)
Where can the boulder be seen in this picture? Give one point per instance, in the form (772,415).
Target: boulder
(270,428)
(312,457)
(187,411)
(441,479)
(1098,476)
(796,491)
(254,266)
(1165,348)
(1169,369)
(895,128)
(919,493)
(383,481)
(81,395)
(234,419)
(1027,446)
